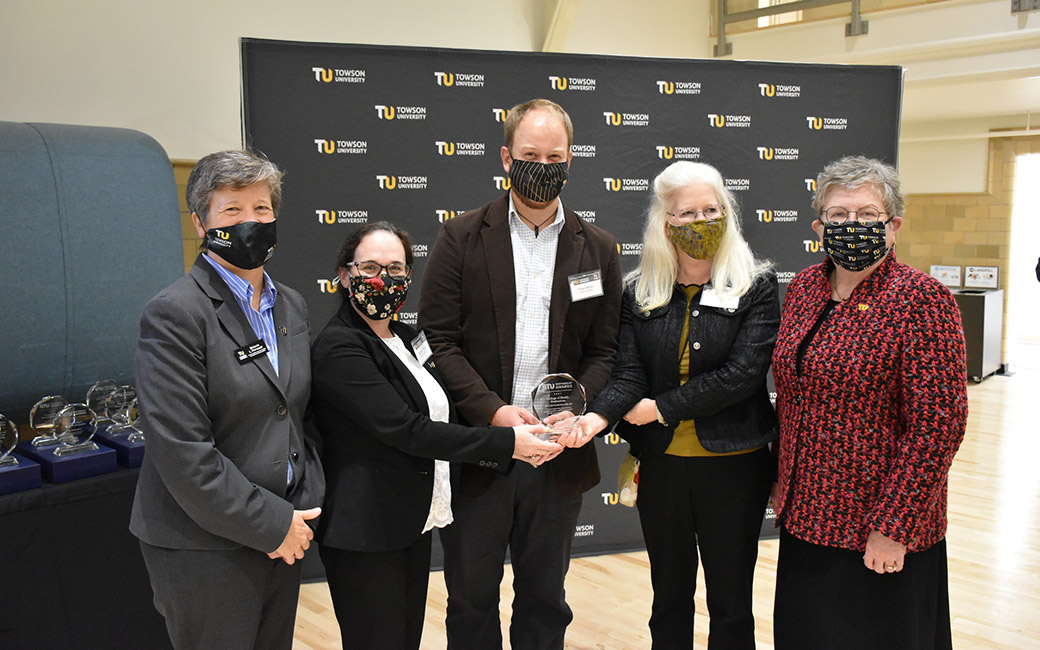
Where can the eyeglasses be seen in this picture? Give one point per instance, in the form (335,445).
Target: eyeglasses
(714,211)
(371,269)
(839,215)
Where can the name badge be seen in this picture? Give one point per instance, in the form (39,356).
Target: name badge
(711,299)
(422,348)
(586,285)
(250,351)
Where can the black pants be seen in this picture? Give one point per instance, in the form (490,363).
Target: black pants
(826,598)
(523,511)
(232,600)
(379,597)
(714,505)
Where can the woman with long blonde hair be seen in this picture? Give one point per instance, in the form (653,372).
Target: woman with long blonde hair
(698,322)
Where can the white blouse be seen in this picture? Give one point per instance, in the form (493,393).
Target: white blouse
(440,505)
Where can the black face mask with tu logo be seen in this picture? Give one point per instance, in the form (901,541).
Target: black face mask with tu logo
(854,246)
(246,245)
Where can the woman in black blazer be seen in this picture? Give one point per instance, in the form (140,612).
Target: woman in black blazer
(384,418)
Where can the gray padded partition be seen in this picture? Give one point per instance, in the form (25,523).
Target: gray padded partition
(89,231)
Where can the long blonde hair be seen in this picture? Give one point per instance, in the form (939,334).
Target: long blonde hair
(734,268)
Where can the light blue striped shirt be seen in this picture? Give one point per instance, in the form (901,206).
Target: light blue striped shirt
(261,321)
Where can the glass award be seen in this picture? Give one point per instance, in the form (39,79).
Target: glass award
(74,428)
(96,396)
(42,417)
(558,400)
(17,472)
(121,408)
(8,441)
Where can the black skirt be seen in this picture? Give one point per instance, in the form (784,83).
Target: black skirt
(826,599)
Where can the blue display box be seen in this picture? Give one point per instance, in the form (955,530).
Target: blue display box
(129,454)
(26,475)
(58,469)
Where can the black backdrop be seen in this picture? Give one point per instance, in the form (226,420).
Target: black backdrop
(412,136)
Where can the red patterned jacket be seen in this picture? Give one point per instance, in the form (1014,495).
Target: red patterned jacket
(869,427)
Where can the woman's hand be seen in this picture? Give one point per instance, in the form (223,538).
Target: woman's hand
(883,554)
(529,448)
(643,412)
(585,429)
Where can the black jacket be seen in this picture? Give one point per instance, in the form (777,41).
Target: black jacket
(729,356)
(379,441)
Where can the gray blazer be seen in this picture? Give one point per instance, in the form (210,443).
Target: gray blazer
(219,432)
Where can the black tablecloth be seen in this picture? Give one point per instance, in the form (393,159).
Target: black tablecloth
(71,574)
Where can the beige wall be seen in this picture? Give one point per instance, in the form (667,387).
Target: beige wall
(970,228)
(171,69)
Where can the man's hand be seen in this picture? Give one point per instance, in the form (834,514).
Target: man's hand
(508,415)
(299,537)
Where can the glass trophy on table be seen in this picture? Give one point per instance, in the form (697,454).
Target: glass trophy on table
(8,441)
(64,445)
(123,434)
(41,420)
(74,429)
(558,400)
(17,473)
(95,399)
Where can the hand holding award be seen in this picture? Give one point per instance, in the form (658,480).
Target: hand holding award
(558,400)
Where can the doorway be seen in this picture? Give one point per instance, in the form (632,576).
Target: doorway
(1023,286)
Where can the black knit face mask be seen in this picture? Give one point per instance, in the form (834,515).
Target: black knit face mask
(854,246)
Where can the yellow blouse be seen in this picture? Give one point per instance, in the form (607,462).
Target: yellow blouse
(685,441)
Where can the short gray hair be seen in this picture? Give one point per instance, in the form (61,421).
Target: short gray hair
(856,171)
(233,168)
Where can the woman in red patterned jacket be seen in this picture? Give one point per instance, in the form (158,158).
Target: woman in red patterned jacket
(870,377)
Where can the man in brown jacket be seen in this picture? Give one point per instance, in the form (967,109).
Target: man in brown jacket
(514,290)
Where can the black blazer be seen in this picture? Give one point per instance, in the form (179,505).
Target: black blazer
(468,310)
(730,351)
(378,440)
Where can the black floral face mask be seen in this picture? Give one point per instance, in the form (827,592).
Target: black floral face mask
(380,297)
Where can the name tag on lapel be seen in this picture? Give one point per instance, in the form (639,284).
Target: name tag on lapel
(585,285)
(422,348)
(709,298)
(250,351)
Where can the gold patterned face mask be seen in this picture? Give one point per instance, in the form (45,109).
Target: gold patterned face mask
(538,182)
(698,239)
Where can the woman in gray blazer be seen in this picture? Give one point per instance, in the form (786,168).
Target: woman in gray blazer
(223,377)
